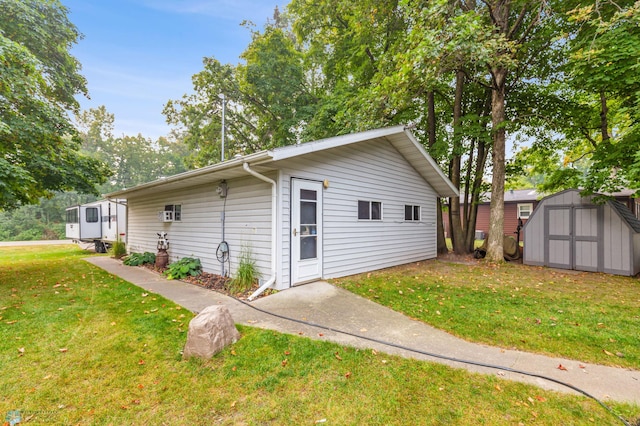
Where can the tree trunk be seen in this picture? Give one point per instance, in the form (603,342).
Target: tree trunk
(604,122)
(431,134)
(457,237)
(496,215)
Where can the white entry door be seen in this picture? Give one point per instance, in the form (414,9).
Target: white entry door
(306,231)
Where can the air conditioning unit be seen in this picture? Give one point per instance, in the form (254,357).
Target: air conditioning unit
(479,235)
(165,216)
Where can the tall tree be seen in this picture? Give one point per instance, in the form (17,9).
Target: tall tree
(269,99)
(132,160)
(597,117)
(39,148)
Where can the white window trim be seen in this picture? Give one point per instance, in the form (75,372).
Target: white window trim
(370,205)
(529,205)
(413,206)
(168,215)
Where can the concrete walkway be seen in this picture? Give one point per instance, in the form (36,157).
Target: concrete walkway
(324,304)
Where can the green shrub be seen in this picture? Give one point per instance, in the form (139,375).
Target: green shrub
(246,275)
(187,266)
(137,259)
(118,249)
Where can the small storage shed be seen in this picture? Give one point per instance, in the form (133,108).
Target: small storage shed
(568,231)
(323,209)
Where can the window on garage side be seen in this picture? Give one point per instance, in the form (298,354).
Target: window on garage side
(176,211)
(411,212)
(369,210)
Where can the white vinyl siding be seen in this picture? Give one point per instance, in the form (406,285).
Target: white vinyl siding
(247,222)
(377,173)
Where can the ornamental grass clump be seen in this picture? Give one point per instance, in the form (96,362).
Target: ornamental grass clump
(246,275)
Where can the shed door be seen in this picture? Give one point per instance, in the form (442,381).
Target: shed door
(306,231)
(557,253)
(572,237)
(586,244)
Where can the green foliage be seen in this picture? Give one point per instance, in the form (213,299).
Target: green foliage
(132,159)
(118,249)
(185,267)
(270,99)
(39,79)
(137,259)
(247,273)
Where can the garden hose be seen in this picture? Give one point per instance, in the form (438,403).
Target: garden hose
(444,357)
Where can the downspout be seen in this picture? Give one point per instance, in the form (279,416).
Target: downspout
(274,227)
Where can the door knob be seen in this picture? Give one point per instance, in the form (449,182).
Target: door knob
(295,232)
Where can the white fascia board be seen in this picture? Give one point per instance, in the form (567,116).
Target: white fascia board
(256,158)
(451,190)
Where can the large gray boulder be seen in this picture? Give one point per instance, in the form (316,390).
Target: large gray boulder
(210,332)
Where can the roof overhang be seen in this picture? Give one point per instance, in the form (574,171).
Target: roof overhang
(398,136)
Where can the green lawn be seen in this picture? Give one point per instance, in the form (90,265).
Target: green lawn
(79,346)
(584,316)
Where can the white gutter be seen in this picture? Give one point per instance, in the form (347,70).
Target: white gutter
(274,227)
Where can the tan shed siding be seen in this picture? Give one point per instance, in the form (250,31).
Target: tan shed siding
(378,174)
(534,237)
(248,221)
(617,244)
(636,254)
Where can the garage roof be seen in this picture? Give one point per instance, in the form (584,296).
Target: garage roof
(399,136)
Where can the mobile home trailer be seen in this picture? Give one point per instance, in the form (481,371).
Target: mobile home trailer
(100,222)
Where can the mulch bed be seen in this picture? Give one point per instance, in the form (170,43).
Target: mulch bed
(214,282)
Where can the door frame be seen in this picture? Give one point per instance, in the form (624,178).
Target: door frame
(312,267)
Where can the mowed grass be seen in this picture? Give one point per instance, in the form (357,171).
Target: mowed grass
(584,316)
(80,346)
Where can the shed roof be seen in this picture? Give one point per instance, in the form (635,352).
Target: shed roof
(264,161)
(626,214)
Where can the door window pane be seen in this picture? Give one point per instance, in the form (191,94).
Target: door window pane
(92,215)
(307,213)
(308,246)
(308,194)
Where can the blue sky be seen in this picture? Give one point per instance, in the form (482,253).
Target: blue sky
(138,54)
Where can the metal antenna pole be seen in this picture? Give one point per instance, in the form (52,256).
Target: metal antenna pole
(223,124)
